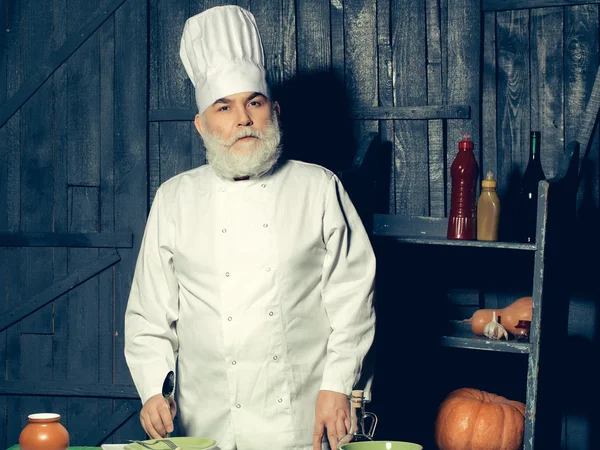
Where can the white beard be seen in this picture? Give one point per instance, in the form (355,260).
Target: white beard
(244,162)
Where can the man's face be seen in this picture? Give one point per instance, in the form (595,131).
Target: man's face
(235,115)
(241,135)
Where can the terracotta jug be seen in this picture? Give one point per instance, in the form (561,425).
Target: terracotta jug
(44,432)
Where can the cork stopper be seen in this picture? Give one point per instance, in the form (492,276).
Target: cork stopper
(357,398)
(489,181)
(466,143)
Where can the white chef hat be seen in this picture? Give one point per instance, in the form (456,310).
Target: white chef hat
(222,53)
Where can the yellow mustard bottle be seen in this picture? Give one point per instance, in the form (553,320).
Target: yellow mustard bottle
(488,210)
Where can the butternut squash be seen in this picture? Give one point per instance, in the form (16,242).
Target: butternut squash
(520,309)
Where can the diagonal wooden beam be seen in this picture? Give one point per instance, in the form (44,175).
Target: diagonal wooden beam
(588,123)
(13,315)
(99,434)
(55,60)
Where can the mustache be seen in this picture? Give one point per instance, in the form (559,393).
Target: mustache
(247,132)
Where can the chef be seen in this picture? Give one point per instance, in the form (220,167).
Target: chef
(255,276)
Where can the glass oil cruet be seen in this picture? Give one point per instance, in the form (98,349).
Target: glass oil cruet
(357,431)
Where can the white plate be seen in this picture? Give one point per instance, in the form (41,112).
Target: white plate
(113,446)
(122,447)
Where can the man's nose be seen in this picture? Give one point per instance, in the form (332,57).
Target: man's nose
(244,119)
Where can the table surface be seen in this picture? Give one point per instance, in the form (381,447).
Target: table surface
(16,447)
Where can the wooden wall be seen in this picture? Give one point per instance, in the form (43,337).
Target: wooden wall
(73,166)
(98,126)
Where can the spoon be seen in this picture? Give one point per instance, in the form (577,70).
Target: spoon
(168,387)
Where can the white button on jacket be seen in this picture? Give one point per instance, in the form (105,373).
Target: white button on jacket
(222,305)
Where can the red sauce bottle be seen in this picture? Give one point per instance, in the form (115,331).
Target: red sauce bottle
(462,221)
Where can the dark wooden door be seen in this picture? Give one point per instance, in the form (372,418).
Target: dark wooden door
(73,202)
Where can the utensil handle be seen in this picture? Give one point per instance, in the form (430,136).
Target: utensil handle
(373,423)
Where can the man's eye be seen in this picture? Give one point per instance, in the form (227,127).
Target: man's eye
(223,108)
(255,103)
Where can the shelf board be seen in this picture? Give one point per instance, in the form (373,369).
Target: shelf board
(430,231)
(459,335)
(433,240)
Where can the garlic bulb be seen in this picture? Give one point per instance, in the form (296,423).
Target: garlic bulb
(494,330)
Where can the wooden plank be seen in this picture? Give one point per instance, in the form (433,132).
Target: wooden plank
(107,220)
(581,66)
(540,291)
(175,148)
(65,239)
(60,305)
(47,68)
(9,217)
(314,36)
(58,388)
(360,50)
(36,161)
(36,368)
(13,342)
(437,163)
(425,112)
(288,32)
(338,41)
(83,78)
(173,90)
(154,128)
(131,130)
(83,311)
(3,349)
(386,127)
(589,119)
(57,289)
(386,100)
(98,435)
(411,152)
(464,77)
(154,179)
(408,225)
(513,98)
(505,5)
(430,230)
(489,138)
(417,112)
(547,84)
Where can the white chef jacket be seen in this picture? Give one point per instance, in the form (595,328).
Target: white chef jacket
(262,291)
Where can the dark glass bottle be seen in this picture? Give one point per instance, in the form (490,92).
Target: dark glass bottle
(526,218)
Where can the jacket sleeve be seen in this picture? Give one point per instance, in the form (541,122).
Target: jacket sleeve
(348,282)
(152,310)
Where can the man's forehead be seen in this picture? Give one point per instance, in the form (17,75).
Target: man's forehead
(245,96)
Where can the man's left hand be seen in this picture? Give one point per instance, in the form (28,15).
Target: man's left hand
(332,412)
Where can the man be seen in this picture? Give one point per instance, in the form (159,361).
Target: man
(255,276)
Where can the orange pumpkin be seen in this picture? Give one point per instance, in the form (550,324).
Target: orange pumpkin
(520,309)
(470,419)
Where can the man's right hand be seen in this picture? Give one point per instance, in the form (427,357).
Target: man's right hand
(157,416)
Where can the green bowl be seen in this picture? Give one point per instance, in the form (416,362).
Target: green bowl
(381,445)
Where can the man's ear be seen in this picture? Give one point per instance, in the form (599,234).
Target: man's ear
(198,123)
(277,108)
